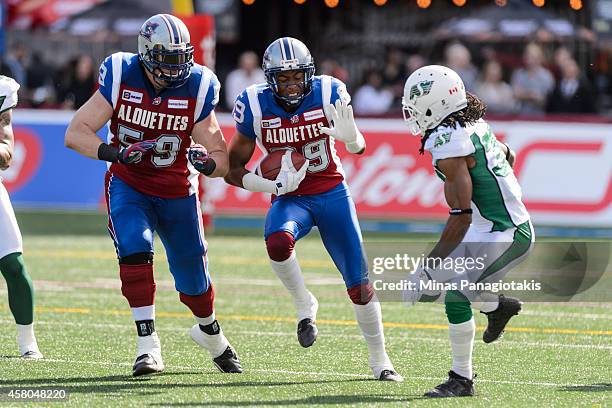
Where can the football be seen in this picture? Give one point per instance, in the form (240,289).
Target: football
(270,166)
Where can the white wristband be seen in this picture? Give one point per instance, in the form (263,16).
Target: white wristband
(258,184)
(357,145)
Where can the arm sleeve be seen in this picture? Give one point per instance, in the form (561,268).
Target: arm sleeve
(105,79)
(8,93)
(243,116)
(339,92)
(212,97)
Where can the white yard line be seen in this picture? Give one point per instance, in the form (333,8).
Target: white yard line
(429,339)
(309,373)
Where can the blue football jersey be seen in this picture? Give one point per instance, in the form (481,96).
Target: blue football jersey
(139,113)
(259,116)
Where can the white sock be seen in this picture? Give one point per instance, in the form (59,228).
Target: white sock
(205,321)
(486,302)
(289,272)
(215,344)
(25,338)
(462,343)
(143,313)
(369,317)
(25,333)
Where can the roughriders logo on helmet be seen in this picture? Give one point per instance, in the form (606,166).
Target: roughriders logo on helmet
(420,89)
(431,93)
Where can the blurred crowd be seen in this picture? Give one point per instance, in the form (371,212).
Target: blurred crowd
(529,84)
(533,83)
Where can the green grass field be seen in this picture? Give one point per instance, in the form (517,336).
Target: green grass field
(553,355)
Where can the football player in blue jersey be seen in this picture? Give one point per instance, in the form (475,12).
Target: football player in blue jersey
(296,110)
(163,133)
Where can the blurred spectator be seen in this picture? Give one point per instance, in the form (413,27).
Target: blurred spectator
(561,56)
(15,61)
(458,58)
(394,74)
(414,62)
(532,83)
(493,91)
(5,69)
(573,93)
(37,90)
(333,68)
(81,82)
(372,98)
(247,74)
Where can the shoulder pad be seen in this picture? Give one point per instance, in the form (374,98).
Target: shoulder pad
(449,142)
(8,93)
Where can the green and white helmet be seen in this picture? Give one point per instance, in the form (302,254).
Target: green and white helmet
(431,94)
(165,51)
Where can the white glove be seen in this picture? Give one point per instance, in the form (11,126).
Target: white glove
(344,126)
(413,291)
(289,179)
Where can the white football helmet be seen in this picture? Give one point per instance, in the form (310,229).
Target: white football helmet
(431,94)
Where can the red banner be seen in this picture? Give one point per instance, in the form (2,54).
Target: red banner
(202,31)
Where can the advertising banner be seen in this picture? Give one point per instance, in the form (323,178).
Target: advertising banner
(565,170)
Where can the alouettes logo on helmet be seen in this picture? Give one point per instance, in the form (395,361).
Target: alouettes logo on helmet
(148,30)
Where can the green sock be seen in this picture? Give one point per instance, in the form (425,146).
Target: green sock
(20,290)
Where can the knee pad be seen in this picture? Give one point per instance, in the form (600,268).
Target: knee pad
(137,284)
(139,258)
(13,268)
(361,294)
(200,305)
(458,308)
(280,245)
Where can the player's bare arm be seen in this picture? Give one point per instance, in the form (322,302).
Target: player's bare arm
(241,150)
(6,139)
(208,133)
(458,194)
(81,134)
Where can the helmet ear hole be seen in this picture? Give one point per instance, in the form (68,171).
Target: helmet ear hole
(428,113)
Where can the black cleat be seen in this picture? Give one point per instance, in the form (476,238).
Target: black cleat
(390,375)
(455,386)
(145,365)
(307,332)
(228,362)
(499,318)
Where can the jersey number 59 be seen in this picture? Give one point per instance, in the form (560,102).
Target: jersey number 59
(165,152)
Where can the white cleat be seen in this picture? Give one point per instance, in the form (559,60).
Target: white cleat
(223,355)
(148,356)
(30,351)
(32,355)
(387,374)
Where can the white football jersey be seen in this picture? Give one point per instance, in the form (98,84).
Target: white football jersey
(8,93)
(496,194)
